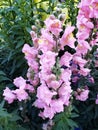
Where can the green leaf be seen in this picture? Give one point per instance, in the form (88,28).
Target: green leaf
(2,104)
(4,113)
(1,128)
(28,29)
(15,117)
(71,123)
(20,43)
(61,125)
(2,73)
(73,115)
(3,78)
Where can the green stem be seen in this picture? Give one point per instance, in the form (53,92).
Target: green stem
(31,4)
(10,4)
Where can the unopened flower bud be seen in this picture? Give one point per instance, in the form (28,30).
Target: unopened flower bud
(58,10)
(52,17)
(75,93)
(61,17)
(34,28)
(32,33)
(78,90)
(37,22)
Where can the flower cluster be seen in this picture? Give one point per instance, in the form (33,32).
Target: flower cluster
(50,72)
(87,24)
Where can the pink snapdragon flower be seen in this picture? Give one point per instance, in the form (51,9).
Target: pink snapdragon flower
(22,85)
(47,60)
(21,94)
(44,45)
(84,71)
(33,34)
(20,82)
(65,59)
(33,64)
(65,93)
(44,94)
(57,106)
(30,52)
(84,27)
(78,60)
(94,5)
(53,25)
(31,56)
(9,95)
(48,36)
(83,95)
(67,38)
(66,75)
(82,35)
(50,79)
(54,84)
(47,113)
(83,47)
(84,3)
(84,24)
(39,103)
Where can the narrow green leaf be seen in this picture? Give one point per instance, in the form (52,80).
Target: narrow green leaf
(2,73)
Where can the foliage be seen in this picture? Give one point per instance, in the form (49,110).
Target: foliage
(8,120)
(16,18)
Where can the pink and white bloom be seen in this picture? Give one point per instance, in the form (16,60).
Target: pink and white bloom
(65,59)
(84,71)
(30,52)
(20,82)
(54,25)
(57,106)
(47,113)
(68,38)
(9,95)
(44,94)
(21,94)
(79,60)
(65,93)
(83,95)
(83,47)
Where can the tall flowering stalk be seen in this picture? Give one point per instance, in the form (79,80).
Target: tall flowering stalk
(52,70)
